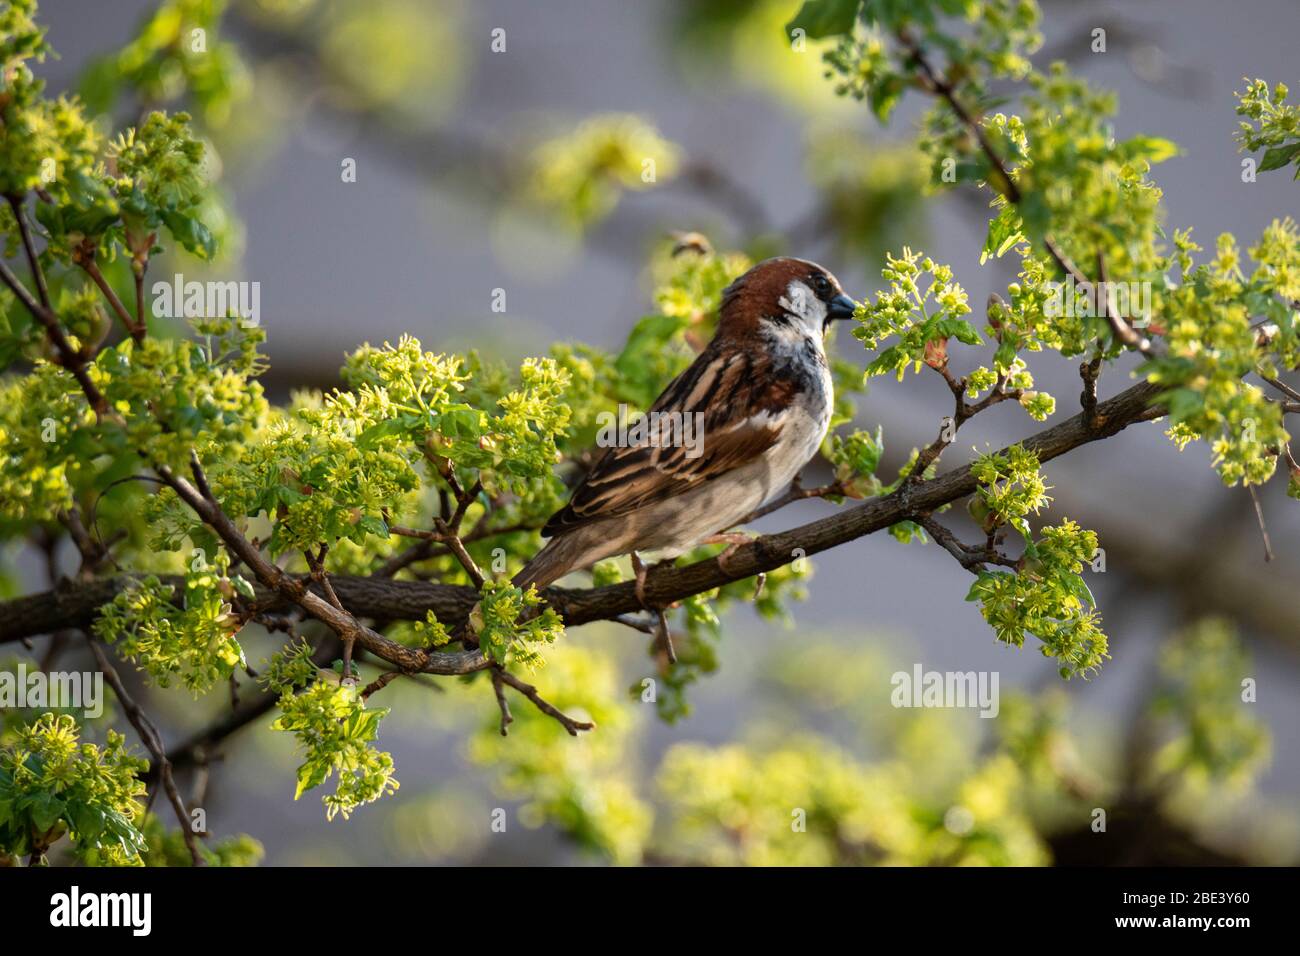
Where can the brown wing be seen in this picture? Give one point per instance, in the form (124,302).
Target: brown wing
(742,407)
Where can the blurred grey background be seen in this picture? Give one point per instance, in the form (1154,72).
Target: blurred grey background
(409,247)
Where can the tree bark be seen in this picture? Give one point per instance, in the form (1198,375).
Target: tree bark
(75,604)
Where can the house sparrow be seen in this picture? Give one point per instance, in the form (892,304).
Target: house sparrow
(761,392)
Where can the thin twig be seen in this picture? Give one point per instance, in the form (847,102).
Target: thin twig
(34,263)
(963,412)
(796,492)
(457,547)
(942,86)
(970,558)
(379,683)
(1118,324)
(447,526)
(431,543)
(201,500)
(138,275)
(1263,528)
(529,691)
(664,636)
(499,688)
(69,357)
(627,620)
(1283,387)
(87,262)
(316,563)
(149,735)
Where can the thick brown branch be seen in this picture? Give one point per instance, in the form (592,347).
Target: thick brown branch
(1089,372)
(373,597)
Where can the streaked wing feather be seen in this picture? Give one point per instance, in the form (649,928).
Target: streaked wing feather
(736,431)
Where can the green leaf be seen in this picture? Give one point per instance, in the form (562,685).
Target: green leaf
(388,428)
(88,821)
(190,233)
(311,774)
(46,811)
(1279,156)
(289,496)
(374,526)
(824,18)
(884,96)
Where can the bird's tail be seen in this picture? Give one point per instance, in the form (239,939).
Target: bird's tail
(560,556)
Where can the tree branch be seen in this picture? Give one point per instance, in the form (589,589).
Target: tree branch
(291,588)
(69,357)
(149,735)
(86,259)
(33,263)
(942,87)
(529,691)
(76,604)
(971,558)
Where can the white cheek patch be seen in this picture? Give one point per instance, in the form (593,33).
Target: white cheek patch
(802,305)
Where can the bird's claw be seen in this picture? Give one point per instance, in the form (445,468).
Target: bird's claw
(663,636)
(640,569)
(732,540)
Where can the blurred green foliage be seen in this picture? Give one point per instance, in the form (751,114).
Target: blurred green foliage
(409,431)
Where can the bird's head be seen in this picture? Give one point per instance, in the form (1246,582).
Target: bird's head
(792,293)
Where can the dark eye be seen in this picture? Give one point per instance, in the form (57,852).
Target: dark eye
(821,285)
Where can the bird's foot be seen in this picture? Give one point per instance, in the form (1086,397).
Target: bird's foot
(641,570)
(733,540)
(663,636)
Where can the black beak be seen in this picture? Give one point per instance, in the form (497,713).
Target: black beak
(841,307)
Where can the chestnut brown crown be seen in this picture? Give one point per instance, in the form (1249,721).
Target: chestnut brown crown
(773,287)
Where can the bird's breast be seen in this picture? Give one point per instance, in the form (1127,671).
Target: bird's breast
(809,414)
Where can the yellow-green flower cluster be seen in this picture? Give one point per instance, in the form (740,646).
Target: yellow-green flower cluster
(1272,124)
(194,642)
(921,314)
(52,784)
(335,731)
